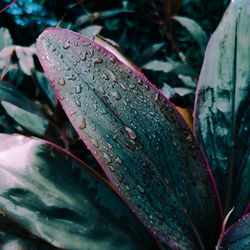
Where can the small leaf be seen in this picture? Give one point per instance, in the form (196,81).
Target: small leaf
(21,109)
(148,53)
(99,15)
(168,67)
(58,198)
(5,38)
(222,112)
(28,120)
(45,86)
(91,31)
(195,30)
(140,140)
(237,236)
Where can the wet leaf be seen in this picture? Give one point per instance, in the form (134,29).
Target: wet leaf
(238,235)
(168,67)
(61,200)
(143,145)
(222,112)
(195,30)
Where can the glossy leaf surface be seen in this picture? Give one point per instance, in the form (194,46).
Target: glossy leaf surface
(142,143)
(222,112)
(57,198)
(237,237)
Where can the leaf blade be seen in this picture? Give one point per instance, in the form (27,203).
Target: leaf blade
(111,95)
(221,118)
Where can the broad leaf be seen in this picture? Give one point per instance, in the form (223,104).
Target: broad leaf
(237,236)
(222,112)
(142,143)
(61,200)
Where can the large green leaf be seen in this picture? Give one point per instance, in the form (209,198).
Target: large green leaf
(59,199)
(142,143)
(222,112)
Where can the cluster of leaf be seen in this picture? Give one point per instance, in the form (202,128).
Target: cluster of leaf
(52,199)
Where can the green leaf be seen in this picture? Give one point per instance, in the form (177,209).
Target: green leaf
(61,200)
(168,67)
(238,235)
(195,30)
(222,112)
(21,109)
(142,143)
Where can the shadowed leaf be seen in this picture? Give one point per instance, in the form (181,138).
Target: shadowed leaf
(21,109)
(238,235)
(168,67)
(195,30)
(142,143)
(222,112)
(91,31)
(63,201)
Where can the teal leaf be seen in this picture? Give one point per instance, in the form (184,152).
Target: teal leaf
(170,67)
(195,30)
(140,140)
(222,112)
(58,198)
(21,109)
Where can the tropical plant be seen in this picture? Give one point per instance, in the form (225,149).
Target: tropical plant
(160,192)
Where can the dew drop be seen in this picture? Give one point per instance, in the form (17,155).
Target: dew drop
(113,76)
(147,87)
(127,187)
(112,59)
(105,77)
(95,142)
(97,60)
(61,81)
(73,112)
(77,102)
(140,81)
(118,160)
(107,158)
(141,189)
(83,55)
(78,89)
(116,95)
(66,45)
(91,53)
(131,132)
(83,124)
(111,168)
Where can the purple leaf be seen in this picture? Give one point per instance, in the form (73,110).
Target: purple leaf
(140,140)
(237,236)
